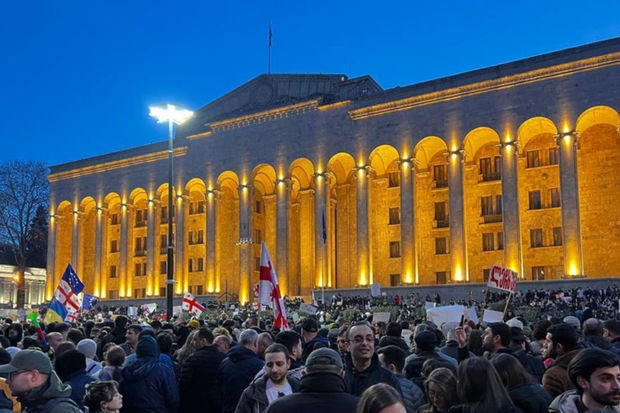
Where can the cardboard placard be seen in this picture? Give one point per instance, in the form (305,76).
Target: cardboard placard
(308,309)
(471,314)
(492,316)
(503,279)
(429,304)
(132,311)
(445,314)
(380,316)
(177,309)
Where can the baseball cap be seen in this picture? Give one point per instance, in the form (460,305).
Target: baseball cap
(28,360)
(310,325)
(324,357)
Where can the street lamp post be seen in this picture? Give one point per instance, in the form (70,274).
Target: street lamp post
(173,115)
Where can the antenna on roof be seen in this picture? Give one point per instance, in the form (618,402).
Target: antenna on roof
(269,53)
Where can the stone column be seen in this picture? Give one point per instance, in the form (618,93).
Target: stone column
(283,191)
(151,251)
(100,218)
(571,227)
(331,243)
(124,252)
(363,235)
(407,220)
(212,198)
(51,257)
(180,266)
(458,248)
(320,269)
(75,242)
(245,242)
(510,207)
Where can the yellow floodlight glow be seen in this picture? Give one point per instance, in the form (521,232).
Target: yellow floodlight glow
(170,113)
(573,269)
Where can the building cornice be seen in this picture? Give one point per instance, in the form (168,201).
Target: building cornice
(116,164)
(505,82)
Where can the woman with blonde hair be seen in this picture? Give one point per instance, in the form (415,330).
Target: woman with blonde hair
(188,348)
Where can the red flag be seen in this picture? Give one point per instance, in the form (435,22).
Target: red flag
(269,293)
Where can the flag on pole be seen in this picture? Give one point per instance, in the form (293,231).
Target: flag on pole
(89,301)
(66,300)
(269,289)
(191,304)
(270,34)
(324,228)
(148,309)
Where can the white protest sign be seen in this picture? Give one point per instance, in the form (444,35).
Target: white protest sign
(445,314)
(470,314)
(492,316)
(375,289)
(132,311)
(429,304)
(177,309)
(308,309)
(503,279)
(380,317)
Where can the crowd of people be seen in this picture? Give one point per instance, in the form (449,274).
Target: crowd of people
(567,361)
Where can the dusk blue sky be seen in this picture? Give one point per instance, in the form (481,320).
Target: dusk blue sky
(77,77)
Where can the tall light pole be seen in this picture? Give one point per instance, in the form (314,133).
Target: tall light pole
(173,115)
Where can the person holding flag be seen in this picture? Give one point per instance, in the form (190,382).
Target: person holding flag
(269,290)
(66,300)
(191,304)
(89,301)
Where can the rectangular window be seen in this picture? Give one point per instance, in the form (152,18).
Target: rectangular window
(137,269)
(554,195)
(163,267)
(536,238)
(256,263)
(258,208)
(488,241)
(486,205)
(534,199)
(164,215)
(393,179)
(199,290)
(440,213)
(136,293)
(162,291)
(441,277)
(192,208)
(441,246)
(533,159)
(200,265)
(191,237)
(498,166)
(394,249)
(113,294)
(114,219)
(440,176)
(190,265)
(113,273)
(538,273)
(114,245)
(486,168)
(486,273)
(394,216)
(557,236)
(394,280)
(201,237)
(498,204)
(500,240)
(554,156)
(257,236)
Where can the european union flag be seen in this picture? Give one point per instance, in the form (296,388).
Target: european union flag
(89,301)
(73,280)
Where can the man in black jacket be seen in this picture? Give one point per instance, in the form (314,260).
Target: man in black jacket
(322,388)
(363,368)
(197,381)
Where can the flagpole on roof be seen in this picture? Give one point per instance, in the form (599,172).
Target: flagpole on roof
(270,35)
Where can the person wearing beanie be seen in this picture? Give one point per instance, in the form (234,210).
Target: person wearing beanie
(425,340)
(71,368)
(88,347)
(148,384)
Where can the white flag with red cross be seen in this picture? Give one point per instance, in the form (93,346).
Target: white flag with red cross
(191,304)
(269,289)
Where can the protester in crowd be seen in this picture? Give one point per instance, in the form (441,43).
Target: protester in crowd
(539,335)
(309,334)
(393,359)
(63,347)
(518,348)
(54,339)
(322,388)
(440,387)
(524,391)
(596,377)
(116,335)
(611,333)
(187,349)
(103,397)
(343,341)
(264,340)
(75,336)
(480,388)
(274,384)
(34,382)
(292,341)
(562,346)
(392,336)
(425,340)
(8,403)
(592,334)
(197,381)
(114,360)
(15,334)
(131,339)
(238,369)
(380,398)
(71,369)
(148,384)
(362,367)
(88,347)
(222,342)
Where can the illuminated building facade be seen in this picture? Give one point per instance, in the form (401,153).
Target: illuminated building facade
(35,285)
(517,164)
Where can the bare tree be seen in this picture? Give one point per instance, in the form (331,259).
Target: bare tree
(23,188)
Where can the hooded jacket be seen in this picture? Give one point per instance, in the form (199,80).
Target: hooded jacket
(149,385)
(254,397)
(358,381)
(52,397)
(531,398)
(318,393)
(235,373)
(570,402)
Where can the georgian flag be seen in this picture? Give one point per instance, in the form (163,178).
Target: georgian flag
(191,304)
(269,289)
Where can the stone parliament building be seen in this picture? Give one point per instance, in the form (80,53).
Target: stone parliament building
(433,183)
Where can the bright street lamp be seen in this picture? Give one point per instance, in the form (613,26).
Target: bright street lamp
(173,115)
